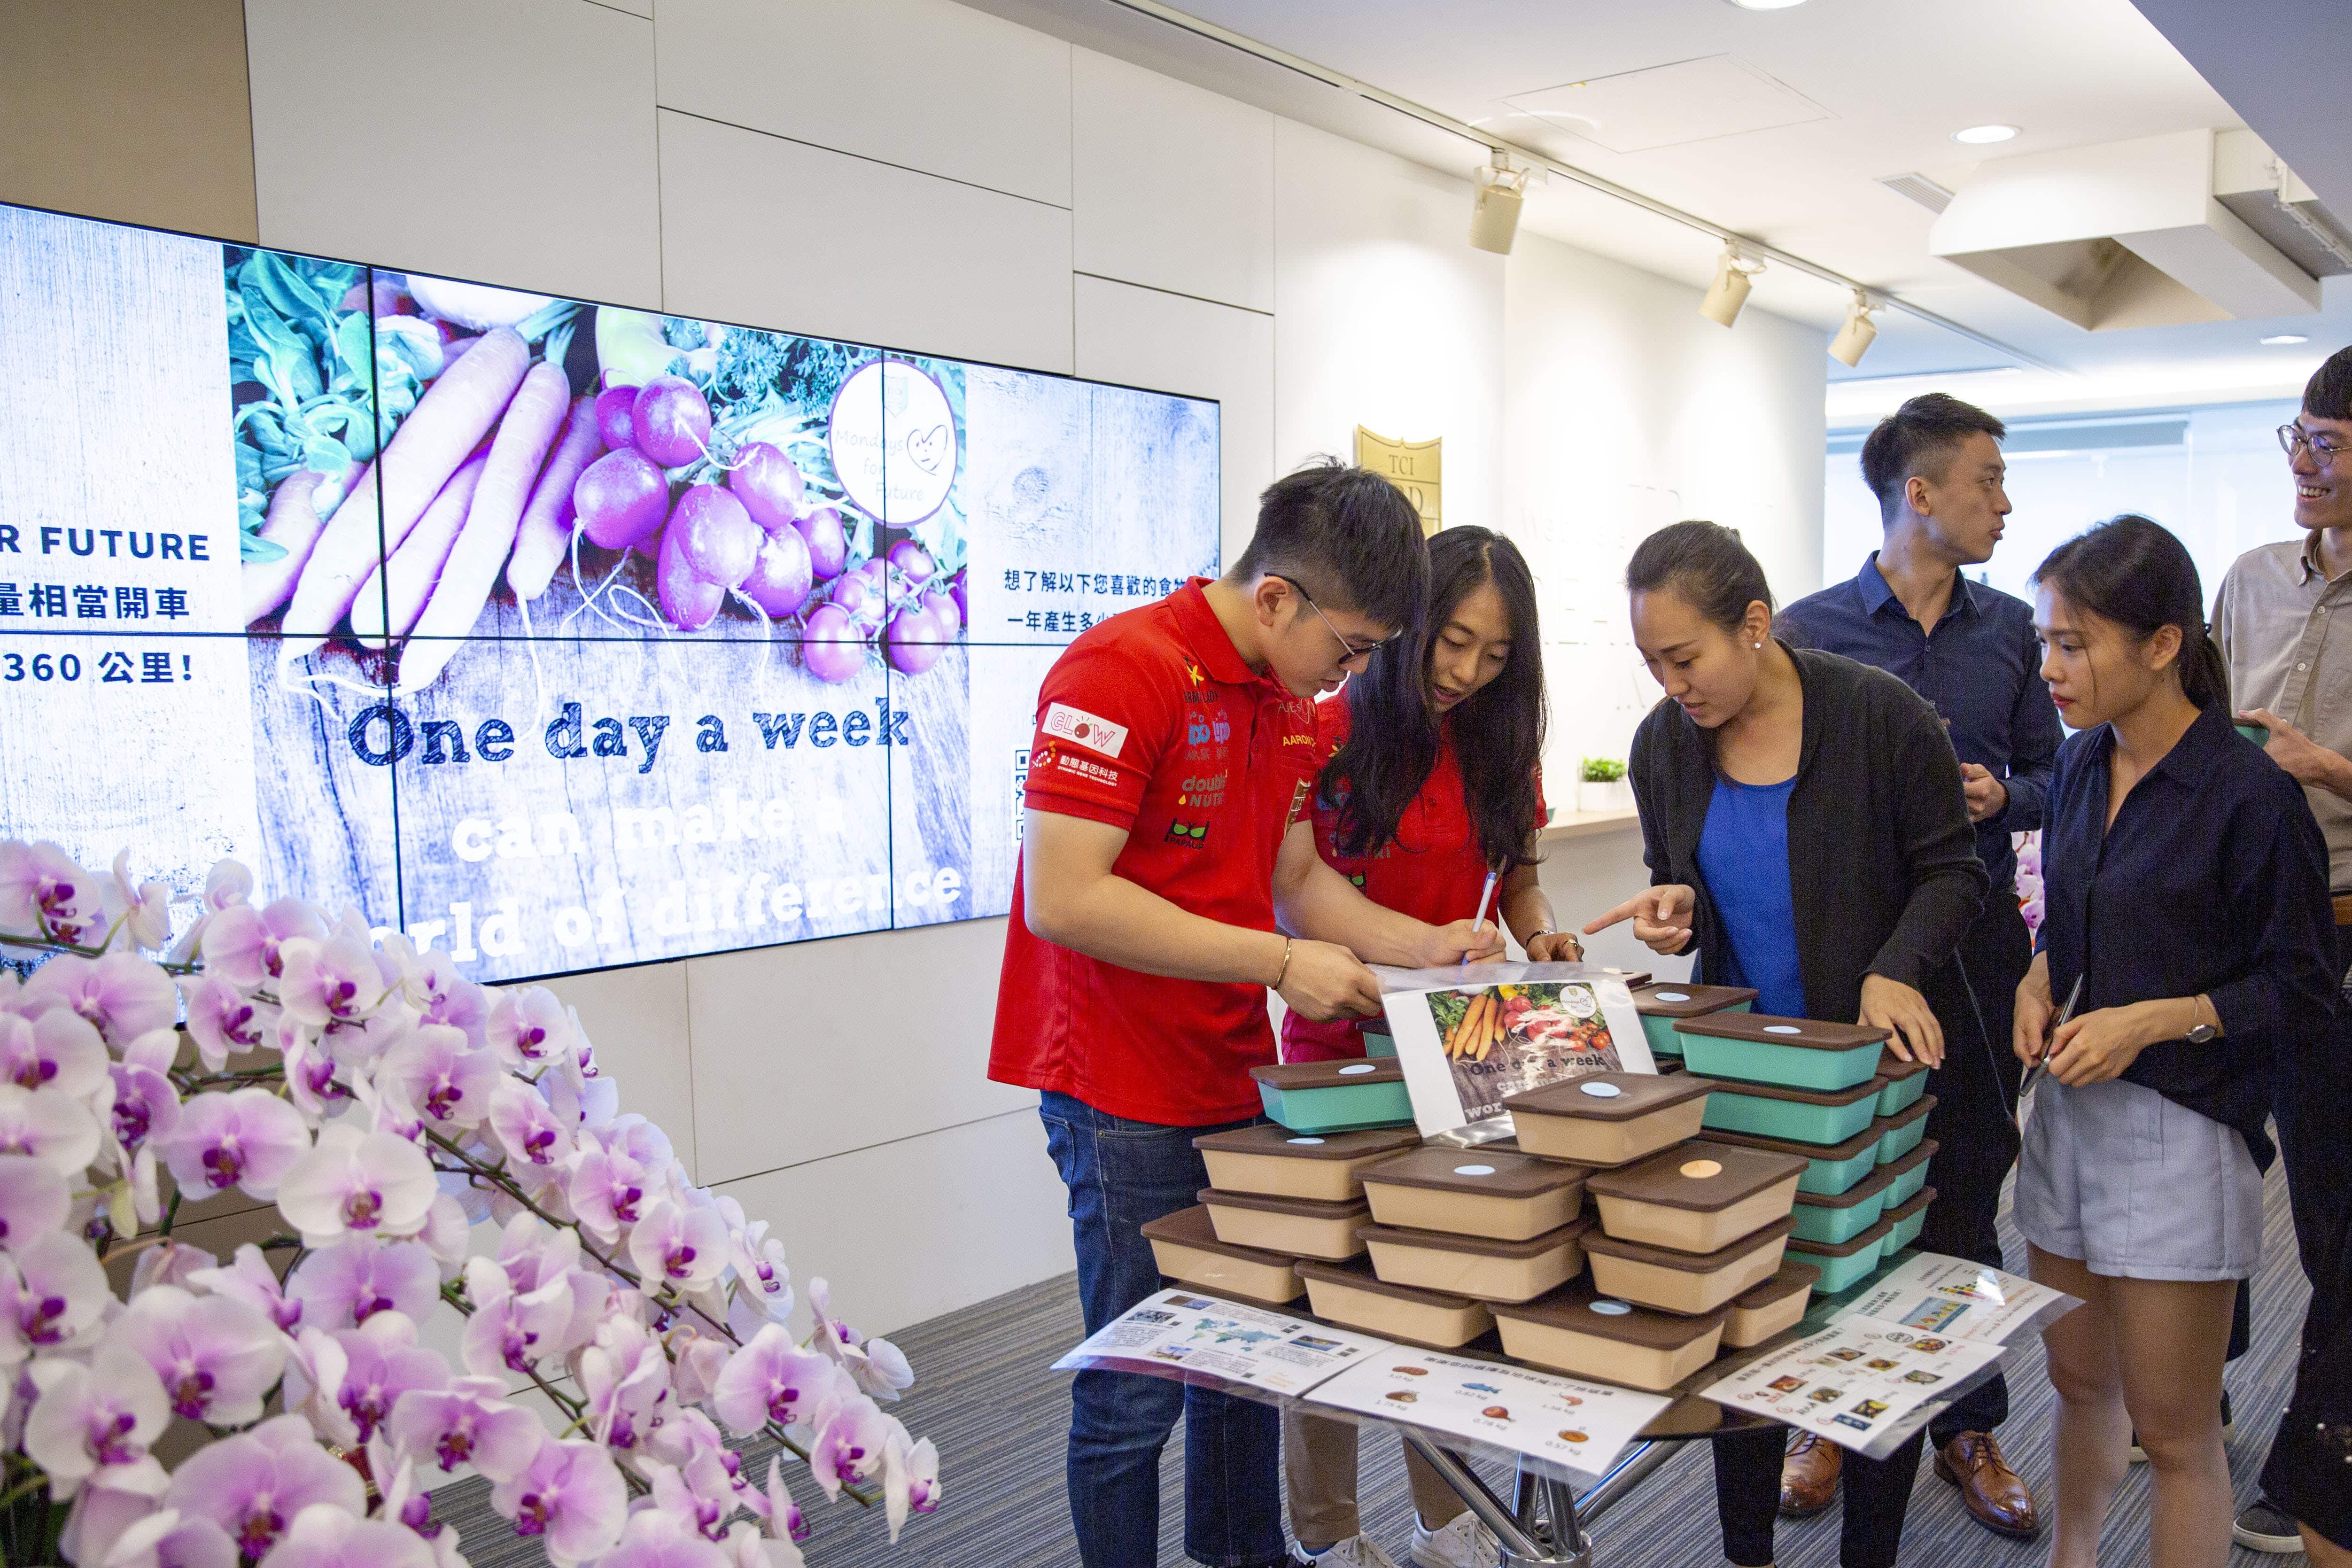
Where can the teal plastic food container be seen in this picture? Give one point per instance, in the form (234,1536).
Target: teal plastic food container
(1380,1043)
(1845,1216)
(1797,1053)
(1663,1007)
(1905,1082)
(1909,1175)
(1906,1223)
(1898,1135)
(1801,1115)
(1828,1171)
(1843,1264)
(1335,1097)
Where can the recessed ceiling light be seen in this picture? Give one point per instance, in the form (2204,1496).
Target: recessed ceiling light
(1766,4)
(1977,135)
(2283,339)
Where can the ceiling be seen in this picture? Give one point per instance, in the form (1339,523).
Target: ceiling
(1779,125)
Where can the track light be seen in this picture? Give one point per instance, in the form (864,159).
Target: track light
(1728,292)
(1495,214)
(1854,339)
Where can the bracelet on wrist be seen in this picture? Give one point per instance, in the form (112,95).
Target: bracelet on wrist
(1287,945)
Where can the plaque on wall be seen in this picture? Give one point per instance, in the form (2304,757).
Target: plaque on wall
(1414,467)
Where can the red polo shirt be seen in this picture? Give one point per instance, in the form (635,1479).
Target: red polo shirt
(1152,722)
(1432,869)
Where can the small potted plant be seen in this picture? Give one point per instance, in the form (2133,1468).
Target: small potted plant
(1601,785)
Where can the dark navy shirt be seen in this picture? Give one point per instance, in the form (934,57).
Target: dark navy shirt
(2212,878)
(1980,669)
(1743,852)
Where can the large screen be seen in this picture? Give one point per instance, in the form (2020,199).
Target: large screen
(556,635)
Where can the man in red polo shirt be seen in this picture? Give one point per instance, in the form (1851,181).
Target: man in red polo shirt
(1165,836)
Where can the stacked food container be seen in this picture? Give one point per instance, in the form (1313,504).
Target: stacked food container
(1661,1007)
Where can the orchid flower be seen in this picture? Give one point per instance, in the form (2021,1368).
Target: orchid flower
(683,1248)
(34,1200)
(851,1433)
(60,1292)
(114,1500)
(447,1235)
(244,946)
(145,1104)
(434,1069)
(248,1279)
(443,996)
(59,1050)
(101,1417)
(247,1138)
(48,1124)
(170,1539)
(384,1363)
(121,996)
(41,887)
(142,913)
(253,1484)
(534,1140)
(875,1365)
(330,980)
(510,1331)
(625,1376)
(571,1496)
(746,1548)
(169,1262)
(217,1358)
(467,1422)
(772,1379)
(224,1021)
(655,1539)
(355,1183)
(782,1514)
(324,1536)
(343,1286)
(910,1477)
(608,1191)
(529,1029)
(760,1270)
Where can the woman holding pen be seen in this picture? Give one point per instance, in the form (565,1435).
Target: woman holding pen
(1431,786)
(2187,914)
(1806,833)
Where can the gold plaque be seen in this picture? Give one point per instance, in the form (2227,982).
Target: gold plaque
(1414,467)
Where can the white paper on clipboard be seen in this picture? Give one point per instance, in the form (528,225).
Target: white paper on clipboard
(1558,1021)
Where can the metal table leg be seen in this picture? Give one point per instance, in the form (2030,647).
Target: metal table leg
(1543,1528)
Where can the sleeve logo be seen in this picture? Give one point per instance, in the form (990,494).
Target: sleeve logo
(1078,725)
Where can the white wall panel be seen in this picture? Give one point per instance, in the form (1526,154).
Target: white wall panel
(906,1231)
(1172,186)
(925,84)
(511,143)
(637,1019)
(846,248)
(1171,344)
(810,1050)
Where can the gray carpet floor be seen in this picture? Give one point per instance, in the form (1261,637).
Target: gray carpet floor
(1000,1417)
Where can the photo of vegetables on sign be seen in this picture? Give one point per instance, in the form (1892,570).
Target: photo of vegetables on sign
(555,632)
(1467,1049)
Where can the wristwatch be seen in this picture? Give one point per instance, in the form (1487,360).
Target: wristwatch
(2199,1032)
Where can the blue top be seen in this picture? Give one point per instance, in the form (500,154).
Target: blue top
(1980,669)
(2212,878)
(1743,853)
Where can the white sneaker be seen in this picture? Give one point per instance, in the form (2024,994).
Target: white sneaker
(1465,1543)
(1356,1551)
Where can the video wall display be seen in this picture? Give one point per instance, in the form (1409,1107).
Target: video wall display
(555,634)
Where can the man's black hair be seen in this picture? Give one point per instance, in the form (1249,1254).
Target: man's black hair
(2329,394)
(1920,438)
(1348,535)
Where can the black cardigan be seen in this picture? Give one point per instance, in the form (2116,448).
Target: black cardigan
(1883,868)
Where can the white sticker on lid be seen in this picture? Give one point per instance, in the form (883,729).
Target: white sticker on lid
(1700,1170)
(1474,1169)
(1671,996)
(1782,1029)
(1610,1308)
(1600,1090)
(1302,1141)
(1358,1067)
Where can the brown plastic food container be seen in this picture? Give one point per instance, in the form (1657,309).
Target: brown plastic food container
(1475,1265)
(1274,1160)
(1349,1294)
(1301,1226)
(1684,1282)
(1586,1333)
(1697,1197)
(1483,1191)
(1687,1001)
(1186,1247)
(1779,1303)
(1608,1118)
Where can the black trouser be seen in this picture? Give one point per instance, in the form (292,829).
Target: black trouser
(1974,1122)
(1748,1496)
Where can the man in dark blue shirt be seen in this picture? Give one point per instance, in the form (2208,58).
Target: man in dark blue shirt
(1936,467)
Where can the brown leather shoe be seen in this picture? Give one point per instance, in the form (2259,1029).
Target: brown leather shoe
(1993,1492)
(1809,1475)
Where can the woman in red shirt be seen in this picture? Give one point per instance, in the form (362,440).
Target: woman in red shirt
(1432,776)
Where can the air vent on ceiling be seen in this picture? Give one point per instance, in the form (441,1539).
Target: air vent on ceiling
(1918,189)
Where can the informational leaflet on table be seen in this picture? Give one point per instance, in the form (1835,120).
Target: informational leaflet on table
(1186,1334)
(1581,1426)
(1470,1038)
(1900,1351)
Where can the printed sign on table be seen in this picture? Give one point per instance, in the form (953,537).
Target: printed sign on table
(1187,1334)
(1581,1426)
(1469,1039)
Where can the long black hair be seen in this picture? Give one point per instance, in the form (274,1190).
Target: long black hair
(1499,732)
(1706,564)
(2133,572)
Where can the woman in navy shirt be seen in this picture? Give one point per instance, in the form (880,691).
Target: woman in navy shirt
(1806,834)
(2186,888)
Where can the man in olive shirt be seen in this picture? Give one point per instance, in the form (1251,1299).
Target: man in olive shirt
(2291,673)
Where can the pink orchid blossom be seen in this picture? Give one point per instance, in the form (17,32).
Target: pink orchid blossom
(571,1496)
(625,1378)
(910,1478)
(447,1235)
(383,1363)
(246,1139)
(875,1366)
(782,1514)
(684,1437)
(510,1331)
(145,1105)
(34,1200)
(467,1422)
(682,1248)
(698,1359)
(41,888)
(760,1270)
(355,1183)
(609,1191)
(248,1278)
(244,946)
(170,1539)
(434,1069)
(171,1263)
(217,1358)
(443,996)
(50,1125)
(343,1286)
(745,1547)
(59,1050)
(141,912)
(325,1536)
(533,1139)
(772,1379)
(253,1484)
(121,996)
(224,1020)
(529,1029)
(112,1501)
(99,1417)
(655,1539)
(311,1081)
(851,1433)
(702,1509)
(329,982)
(60,1292)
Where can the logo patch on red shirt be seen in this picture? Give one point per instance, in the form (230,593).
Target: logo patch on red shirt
(1096,734)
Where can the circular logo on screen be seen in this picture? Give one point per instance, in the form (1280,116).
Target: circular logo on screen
(1600,1090)
(1474,1169)
(1610,1308)
(893,439)
(1302,1141)
(1782,1029)
(1700,1170)
(1671,996)
(1353,1071)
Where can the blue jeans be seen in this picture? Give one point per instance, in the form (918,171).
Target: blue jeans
(1122,1174)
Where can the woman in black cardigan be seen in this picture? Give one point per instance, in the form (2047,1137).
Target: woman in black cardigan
(1825,796)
